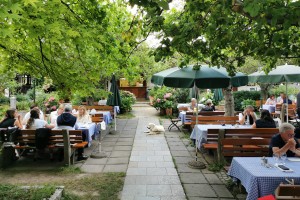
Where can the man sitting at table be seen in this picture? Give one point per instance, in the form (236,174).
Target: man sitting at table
(68,121)
(283,99)
(285,142)
(247,117)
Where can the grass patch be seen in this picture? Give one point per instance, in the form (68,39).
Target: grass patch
(98,186)
(69,170)
(215,167)
(11,192)
(127,115)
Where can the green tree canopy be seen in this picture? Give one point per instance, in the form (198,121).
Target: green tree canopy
(227,32)
(75,43)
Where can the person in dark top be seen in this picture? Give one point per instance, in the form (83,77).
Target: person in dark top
(68,121)
(208,106)
(11,119)
(285,142)
(265,121)
(283,99)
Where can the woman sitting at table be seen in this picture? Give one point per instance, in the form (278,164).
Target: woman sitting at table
(247,117)
(34,122)
(83,117)
(11,119)
(271,100)
(208,106)
(265,121)
(193,105)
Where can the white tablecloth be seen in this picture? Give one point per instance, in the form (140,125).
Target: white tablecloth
(270,108)
(200,131)
(89,130)
(258,180)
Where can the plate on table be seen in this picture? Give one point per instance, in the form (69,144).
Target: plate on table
(294,159)
(59,144)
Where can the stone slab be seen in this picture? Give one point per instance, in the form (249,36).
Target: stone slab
(213,179)
(199,190)
(115,168)
(222,191)
(192,178)
(92,168)
(114,161)
(120,154)
(123,148)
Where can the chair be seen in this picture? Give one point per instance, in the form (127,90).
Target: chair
(174,122)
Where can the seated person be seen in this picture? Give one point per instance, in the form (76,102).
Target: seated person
(265,121)
(27,115)
(283,99)
(271,100)
(208,106)
(11,119)
(34,122)
(55,114)
(248,116)
(193,105)
(67,121)
(83,117)
(284,142)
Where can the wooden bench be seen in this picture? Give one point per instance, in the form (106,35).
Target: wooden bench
(216,136)
(69,140)
(214,120)
(189,116)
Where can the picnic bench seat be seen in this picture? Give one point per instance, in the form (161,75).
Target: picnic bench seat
(214,120)
(189,115)
(216,140)
(58,139)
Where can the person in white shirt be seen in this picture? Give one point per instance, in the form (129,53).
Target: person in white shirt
(247,117)
(27,115)
(83,117)
(271,100)
(34,122)
(55,114)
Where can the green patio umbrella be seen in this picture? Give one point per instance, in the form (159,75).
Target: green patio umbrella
(204,77)
(114,98)
(218,94)
(281,74)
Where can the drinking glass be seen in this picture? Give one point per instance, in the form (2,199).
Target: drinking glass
(276,158)
(283,158)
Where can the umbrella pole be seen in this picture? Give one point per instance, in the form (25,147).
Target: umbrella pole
(287,104)
(115,116)
(195,164)
(99,154)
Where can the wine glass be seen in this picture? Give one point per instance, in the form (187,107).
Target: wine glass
(283,158)
(276,158)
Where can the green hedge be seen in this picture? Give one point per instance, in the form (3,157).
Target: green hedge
(240,96)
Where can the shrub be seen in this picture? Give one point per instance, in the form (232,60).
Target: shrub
(127,100)
(23,105)
(181,95)
(22,97)
(240,96)
(248,102)
(4,100)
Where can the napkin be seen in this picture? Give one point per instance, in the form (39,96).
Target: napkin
(93,111)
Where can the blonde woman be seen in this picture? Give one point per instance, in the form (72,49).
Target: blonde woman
(83,117)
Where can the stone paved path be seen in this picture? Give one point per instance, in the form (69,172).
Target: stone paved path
(151,174)
(156,165)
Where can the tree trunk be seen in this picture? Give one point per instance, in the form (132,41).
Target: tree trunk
(264,88)
(229,102)
(90,101)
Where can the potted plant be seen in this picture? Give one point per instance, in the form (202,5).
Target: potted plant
(168,106)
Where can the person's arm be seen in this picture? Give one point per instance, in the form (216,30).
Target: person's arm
(242,118)
(253,125)
(253,114)
(290,145)
(18,122)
